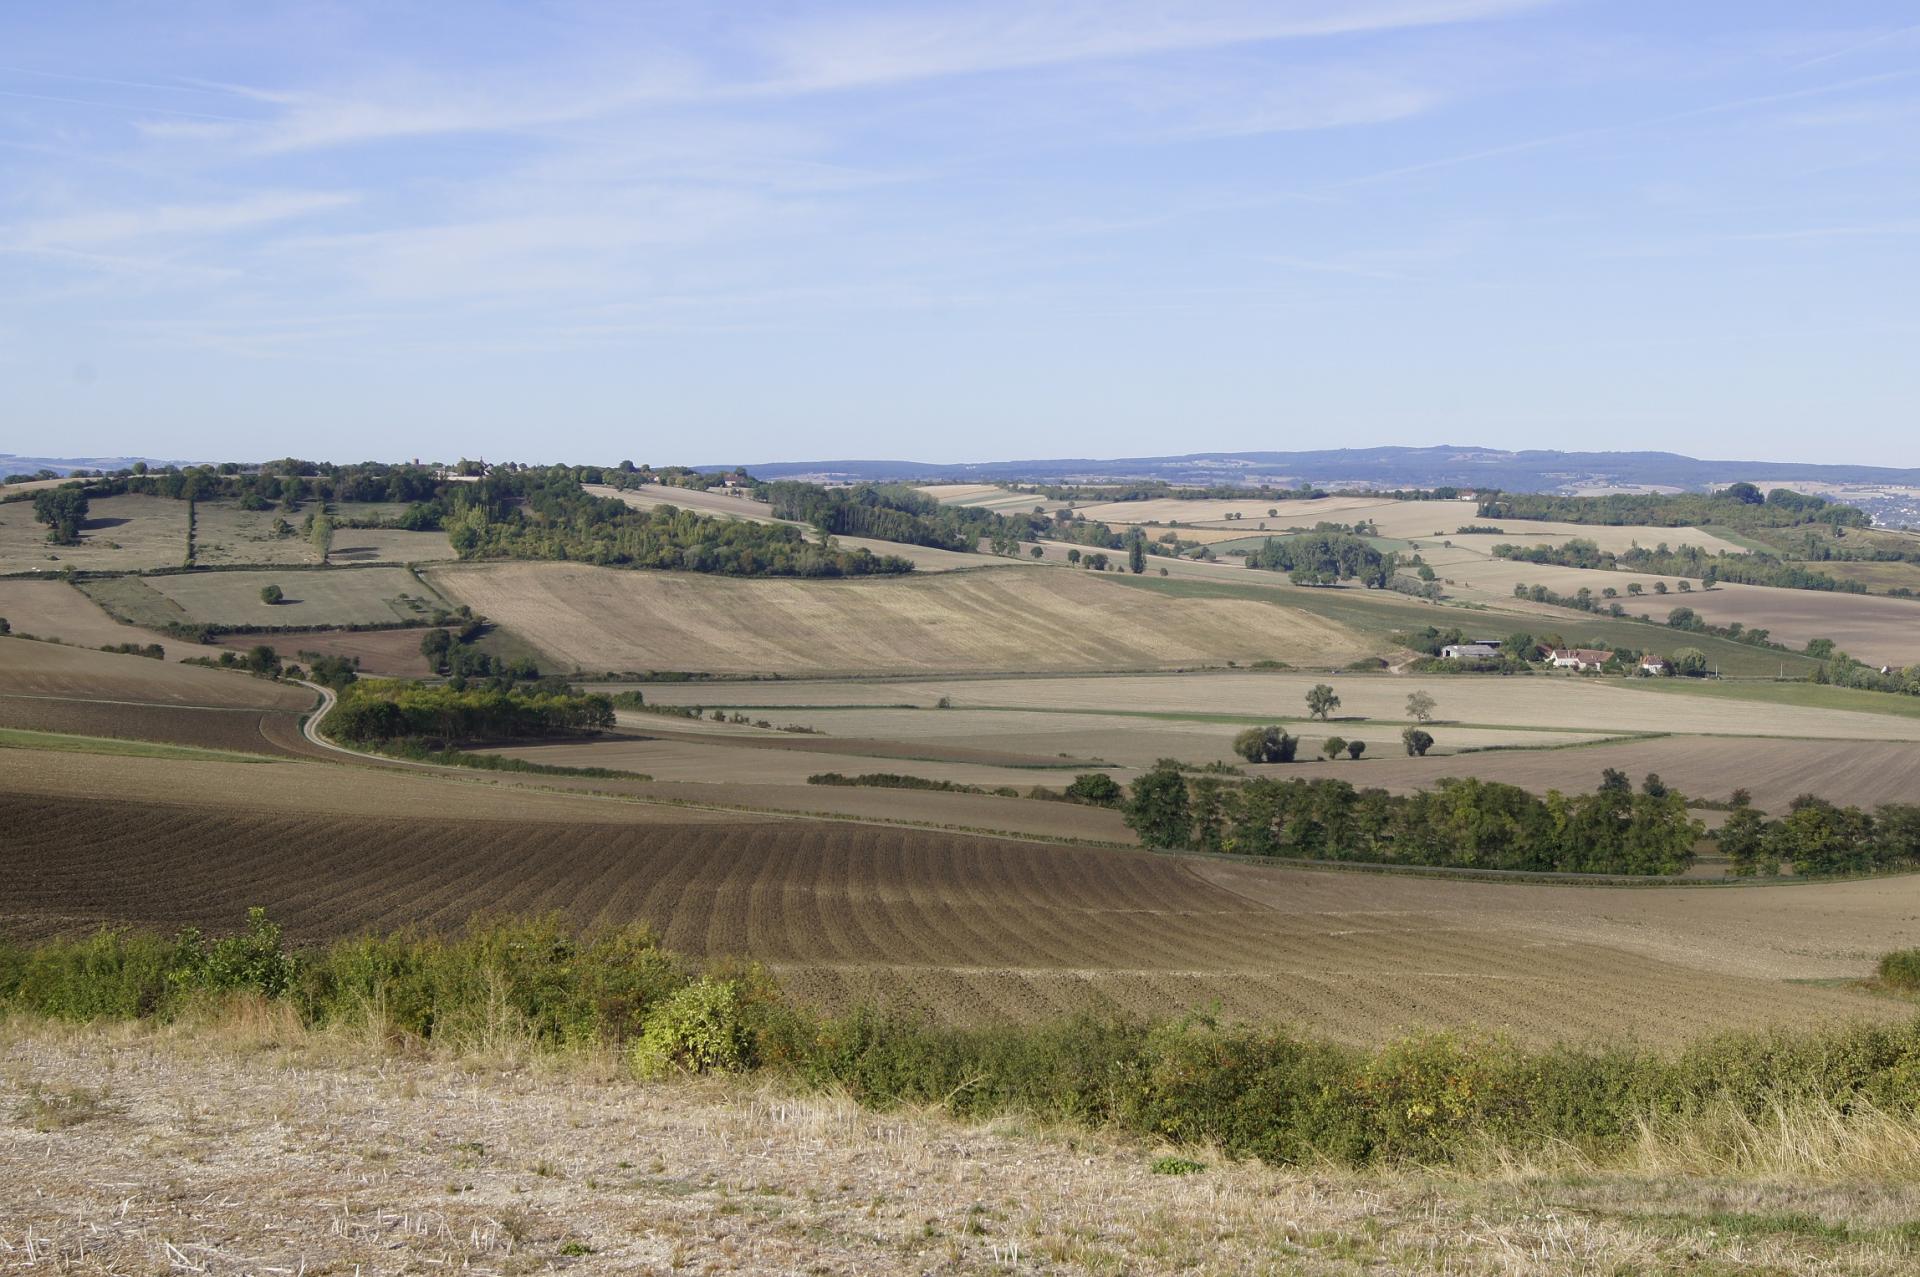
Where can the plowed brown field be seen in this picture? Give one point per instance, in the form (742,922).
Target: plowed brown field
(50,688)
(970,929)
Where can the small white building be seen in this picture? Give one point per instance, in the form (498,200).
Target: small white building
(1478,650)
(1653,665)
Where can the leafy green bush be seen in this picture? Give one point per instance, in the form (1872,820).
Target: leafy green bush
(1901,969)
(703,1027)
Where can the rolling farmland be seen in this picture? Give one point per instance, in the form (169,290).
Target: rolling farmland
(968,929)
(599,619)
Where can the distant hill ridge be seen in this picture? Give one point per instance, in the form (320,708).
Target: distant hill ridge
(1392,467)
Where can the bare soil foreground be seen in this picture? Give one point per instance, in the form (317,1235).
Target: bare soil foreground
(321,1158)
(968,929)
(600,619)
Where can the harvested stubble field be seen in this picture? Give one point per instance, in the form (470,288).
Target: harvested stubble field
(321,1154)
(1422,521)
(1374,703)
(54,609)
(1130,740)
(735,761)
(333,596)
(1002,619)
(1774,771)
(1870,627)
(968,929)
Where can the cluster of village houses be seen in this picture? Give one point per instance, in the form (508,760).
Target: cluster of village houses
(1579,659)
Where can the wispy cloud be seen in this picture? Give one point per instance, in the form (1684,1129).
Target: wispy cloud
(890,45)
(172,221)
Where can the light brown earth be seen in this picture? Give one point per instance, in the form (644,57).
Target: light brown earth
(324,1156)
(1424,521)
(735,762)
(55,670)
(1870,627)
(385,653)
(1369,702)
(606,619)
(54,609)
(1859,773)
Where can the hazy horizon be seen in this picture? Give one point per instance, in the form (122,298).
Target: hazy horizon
(960,231)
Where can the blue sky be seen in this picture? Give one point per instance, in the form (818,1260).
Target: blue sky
(950,231)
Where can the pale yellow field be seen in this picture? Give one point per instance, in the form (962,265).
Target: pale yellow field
(1427,522)
(120,533)
(1560,703)
(988,496)
(739,763)
(1135,742)
(1871,627)
(597,619)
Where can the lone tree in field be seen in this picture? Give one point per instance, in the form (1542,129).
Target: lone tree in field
(1321,701)
(1333,747)
(1137,553)
(1420,707)
(63,510)
(270,594)
(1156,807)
(322,536)
(1355,748)
(1417,742)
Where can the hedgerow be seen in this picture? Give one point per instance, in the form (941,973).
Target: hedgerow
(1251,1091)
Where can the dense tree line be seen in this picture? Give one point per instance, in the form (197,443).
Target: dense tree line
(885,512)
(1322,558)
(1688,560)
(1737,506)
(374,711)
(1462,823)
(1820,839)
(546,514)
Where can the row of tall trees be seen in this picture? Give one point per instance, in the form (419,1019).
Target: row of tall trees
(1739,505)
(1689,560)
(1461,823)
(1818,838)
